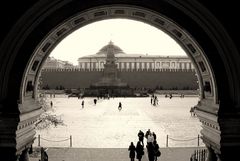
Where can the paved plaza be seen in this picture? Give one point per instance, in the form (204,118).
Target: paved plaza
(103,126)
(112,154)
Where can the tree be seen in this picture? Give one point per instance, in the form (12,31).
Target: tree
(47,119)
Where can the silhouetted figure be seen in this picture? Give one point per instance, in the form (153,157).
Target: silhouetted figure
(147,133)
(141,136)
(44,155)
(120,106)
(95,101)
(150,150)
(192,111)
(150,138)
(157,152)
(154,136)
(131,150)
(51,103)
(139,150)
(83,104)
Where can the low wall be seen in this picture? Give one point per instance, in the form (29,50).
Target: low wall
(164,79)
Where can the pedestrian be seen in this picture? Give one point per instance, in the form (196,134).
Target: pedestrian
(147,133)
(132,150)
(156,100)
(154,136)
(120,106)
(95,101)
(150,138)
(141,137)
(44,155)
(51,103)
(170,96)
(157,152)
(150,150)
(192,111)
(82,103)
(139,150)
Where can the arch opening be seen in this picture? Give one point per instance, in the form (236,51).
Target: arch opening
(120,52)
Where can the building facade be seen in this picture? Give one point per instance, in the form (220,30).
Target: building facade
(175,72)
(53,63)
(134,61)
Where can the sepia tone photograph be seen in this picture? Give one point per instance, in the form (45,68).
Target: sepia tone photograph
(119,80)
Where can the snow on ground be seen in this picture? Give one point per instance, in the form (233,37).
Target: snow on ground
(103,126)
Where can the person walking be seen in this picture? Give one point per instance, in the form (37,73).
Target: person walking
(44,155)
(139,150)
(120,106)
(82,103)
(154,136)
(51,103)
(95,101)
(150,138)
(147,133)
(157,152)
(141,137)
(150,150)
(132,150)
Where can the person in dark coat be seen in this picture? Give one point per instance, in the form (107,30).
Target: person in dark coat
(147,133)
(154,136)
(141,136)
(157,152)
(44,155)
(95,101)
(139,150)
(83,104)
(150,150)
(132,150)
(120,106)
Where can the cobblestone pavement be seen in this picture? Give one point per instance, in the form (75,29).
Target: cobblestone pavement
(103,126)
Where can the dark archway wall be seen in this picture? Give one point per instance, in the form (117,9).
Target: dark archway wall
(24,24)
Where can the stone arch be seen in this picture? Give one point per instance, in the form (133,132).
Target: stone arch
(131,12)
(44,24)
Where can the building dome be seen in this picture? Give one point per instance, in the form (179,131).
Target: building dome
(117,50)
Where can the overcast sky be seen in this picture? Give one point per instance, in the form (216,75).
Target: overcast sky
(133,37)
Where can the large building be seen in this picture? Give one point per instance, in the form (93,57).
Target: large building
(169,72)
(134,61)
(124,61)
(53,63)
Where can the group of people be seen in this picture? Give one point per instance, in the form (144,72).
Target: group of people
(192,111)
(154,100)
(170,96)
(152,146)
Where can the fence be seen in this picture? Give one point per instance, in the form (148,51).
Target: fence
(48,140)
(183,140)
(199,155)
(168,139)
